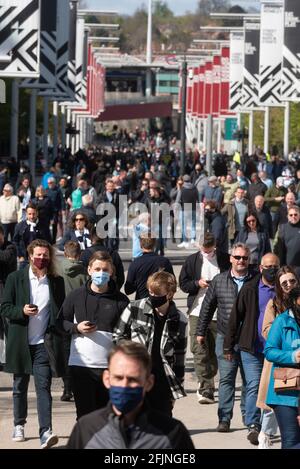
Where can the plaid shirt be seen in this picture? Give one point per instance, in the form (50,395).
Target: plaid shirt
(137,324)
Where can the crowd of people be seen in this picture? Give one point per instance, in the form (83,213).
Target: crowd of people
(124,360)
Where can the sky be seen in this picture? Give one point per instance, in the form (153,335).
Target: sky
(179,7)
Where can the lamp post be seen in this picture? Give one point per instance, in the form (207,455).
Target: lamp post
(183,117)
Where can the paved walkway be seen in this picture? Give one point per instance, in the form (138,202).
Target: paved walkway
(201,420)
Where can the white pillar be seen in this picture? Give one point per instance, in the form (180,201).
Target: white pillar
(219,137)
(55,129)
(73,137)
(32,133)
(267,129)
(45,130)
(81,135)
(286,141)
(63,126)
(205,134)
(250,132)
(14,119)
(77,138)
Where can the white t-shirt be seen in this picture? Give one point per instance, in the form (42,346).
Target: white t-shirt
(40,296)
(209,270)
(90,350)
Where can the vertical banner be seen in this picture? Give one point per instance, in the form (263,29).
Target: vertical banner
(250,98)
(189,90)
(200,107)
(60,92)
(271,52)
(225,83)
(208,88)
(195,91)
(180,91)
(290,87)
(72,50)
(47,78)
(236,69)
(216,85)
(20,38)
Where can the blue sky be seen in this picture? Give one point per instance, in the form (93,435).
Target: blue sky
(179,7)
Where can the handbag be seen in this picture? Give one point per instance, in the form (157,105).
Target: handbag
(286,379)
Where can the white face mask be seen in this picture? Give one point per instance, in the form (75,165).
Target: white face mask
(208,255)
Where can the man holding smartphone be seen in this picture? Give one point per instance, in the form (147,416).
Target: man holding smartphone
(31,301)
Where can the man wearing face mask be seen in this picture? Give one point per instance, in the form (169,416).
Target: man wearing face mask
(128,422)
(89,314)
(244,330)
(31,301)
(196,274)
(158,324)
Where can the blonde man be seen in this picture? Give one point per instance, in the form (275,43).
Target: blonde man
(156,322)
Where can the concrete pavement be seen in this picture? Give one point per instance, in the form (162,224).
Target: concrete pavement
(201,420)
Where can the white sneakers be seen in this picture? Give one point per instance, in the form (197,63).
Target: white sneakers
(184,244)
(18,433)
(264,441)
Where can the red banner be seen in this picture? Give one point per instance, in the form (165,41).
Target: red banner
(208,88)
(201,97)
(225,81)
(195,91)
(216,86)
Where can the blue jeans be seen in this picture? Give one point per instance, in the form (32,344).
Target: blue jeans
(288,425)
(228,371)
(42,380)
(188,225)
(268,422)
(252,365)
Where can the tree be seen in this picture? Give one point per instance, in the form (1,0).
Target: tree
(162,10)
(205,7)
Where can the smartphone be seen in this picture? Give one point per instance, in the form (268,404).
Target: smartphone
(33,306)
(208,281)
(90,324)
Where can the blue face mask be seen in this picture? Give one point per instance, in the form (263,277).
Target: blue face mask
(100,279)
(125,399)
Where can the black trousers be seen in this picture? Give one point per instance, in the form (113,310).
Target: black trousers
(89,391)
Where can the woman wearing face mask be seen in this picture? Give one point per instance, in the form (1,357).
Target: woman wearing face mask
(283,350)
(90,314)
(286,281)
(158,324)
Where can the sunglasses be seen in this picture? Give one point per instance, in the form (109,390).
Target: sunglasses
(293,214)
(79,219)
(291,281)
(238,258)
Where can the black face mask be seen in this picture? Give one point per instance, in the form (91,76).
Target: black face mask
(270,274)
(158,301)
(208,214)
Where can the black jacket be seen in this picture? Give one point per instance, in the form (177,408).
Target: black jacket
(22,236)
(8,260)
(102,429)
(242,325)
(221,294)
(218,227)
(83,304)
(191,273)
(288,246)
(139,271)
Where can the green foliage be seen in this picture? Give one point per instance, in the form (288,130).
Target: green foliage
(205,7)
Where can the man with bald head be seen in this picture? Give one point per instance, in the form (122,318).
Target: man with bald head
(244,334)
(263,215)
